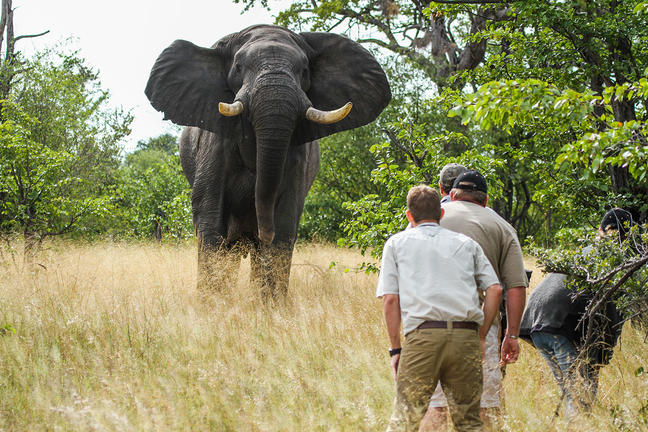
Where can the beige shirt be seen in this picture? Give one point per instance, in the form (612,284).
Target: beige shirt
(436,274)
(496,237)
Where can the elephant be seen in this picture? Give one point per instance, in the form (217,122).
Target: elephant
(255,104)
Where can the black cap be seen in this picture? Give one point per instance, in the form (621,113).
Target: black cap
(471,180)
(617,219)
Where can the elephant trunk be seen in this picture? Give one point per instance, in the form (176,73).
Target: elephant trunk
(271,157)
(274,113)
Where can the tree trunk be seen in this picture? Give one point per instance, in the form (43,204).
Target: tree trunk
(31,243)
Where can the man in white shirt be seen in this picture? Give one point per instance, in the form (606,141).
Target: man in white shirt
(429,281)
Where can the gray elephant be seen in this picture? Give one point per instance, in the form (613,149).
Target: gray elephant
(256,103)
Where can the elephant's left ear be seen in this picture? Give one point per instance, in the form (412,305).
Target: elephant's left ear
(342,71)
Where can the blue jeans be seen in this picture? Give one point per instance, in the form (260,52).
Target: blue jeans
(579,383)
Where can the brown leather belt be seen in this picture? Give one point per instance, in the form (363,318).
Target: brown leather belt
(454,324)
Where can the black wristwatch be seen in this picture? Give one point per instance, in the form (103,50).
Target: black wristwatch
(394,351)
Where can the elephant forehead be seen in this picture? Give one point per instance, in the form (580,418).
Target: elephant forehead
(271,47)
(267,32)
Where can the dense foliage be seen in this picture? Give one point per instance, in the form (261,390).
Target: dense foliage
(153,196)
(61,166)
(60,149)
(547,99)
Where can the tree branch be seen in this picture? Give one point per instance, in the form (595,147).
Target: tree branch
(30,36)
(631,265)
(606,295)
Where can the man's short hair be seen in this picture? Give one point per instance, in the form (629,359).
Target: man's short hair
(448,175)
(470,186)
(465,195)
(424,203)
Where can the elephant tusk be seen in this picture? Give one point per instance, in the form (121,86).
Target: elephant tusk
(230,110)
(328,117)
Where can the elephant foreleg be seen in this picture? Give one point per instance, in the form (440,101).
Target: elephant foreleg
(271,270)
(218,267)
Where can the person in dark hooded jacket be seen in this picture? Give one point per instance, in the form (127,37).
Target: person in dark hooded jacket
(550,322)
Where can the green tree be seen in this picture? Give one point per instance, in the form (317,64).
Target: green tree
(62,148)
(166,143)
(153,196)
(551,100)
(591,48)
(345,165)
(441,42)
(36,183)
(347,160)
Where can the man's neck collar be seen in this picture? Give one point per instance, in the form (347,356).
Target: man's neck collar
(426,221)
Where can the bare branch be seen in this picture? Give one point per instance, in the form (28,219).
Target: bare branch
(65,229)
(340,21)
(16,39)
(408,150)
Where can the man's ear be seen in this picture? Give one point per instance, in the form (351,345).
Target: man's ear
(486,202)
(410,218)
(442,213)
(452,195)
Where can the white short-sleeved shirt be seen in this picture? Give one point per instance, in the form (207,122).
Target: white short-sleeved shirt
(436,274)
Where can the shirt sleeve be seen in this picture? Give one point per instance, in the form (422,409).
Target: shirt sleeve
(512,263)
(484,273)
(388,278)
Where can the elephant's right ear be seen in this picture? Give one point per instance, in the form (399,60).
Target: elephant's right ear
(187,82)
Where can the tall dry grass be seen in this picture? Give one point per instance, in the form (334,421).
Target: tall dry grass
(114,336)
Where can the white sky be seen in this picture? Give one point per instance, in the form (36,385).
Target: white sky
(122,38)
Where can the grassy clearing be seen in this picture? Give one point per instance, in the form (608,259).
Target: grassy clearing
(114,336)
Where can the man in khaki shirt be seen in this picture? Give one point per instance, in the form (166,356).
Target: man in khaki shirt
(430,279)
(467,214)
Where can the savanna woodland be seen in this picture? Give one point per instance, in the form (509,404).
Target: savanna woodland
(101,327)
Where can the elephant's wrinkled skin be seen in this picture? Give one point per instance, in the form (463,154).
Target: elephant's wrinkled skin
(252,160)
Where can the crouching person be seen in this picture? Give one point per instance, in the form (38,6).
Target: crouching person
(429,281)
(551,323)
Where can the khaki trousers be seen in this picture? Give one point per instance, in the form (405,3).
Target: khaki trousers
(451,356)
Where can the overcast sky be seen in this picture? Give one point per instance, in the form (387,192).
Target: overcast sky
(122,38)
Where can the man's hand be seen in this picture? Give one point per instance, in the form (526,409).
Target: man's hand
(482,346)
(510,351)
(490,308)
(391,309)
(394,363)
